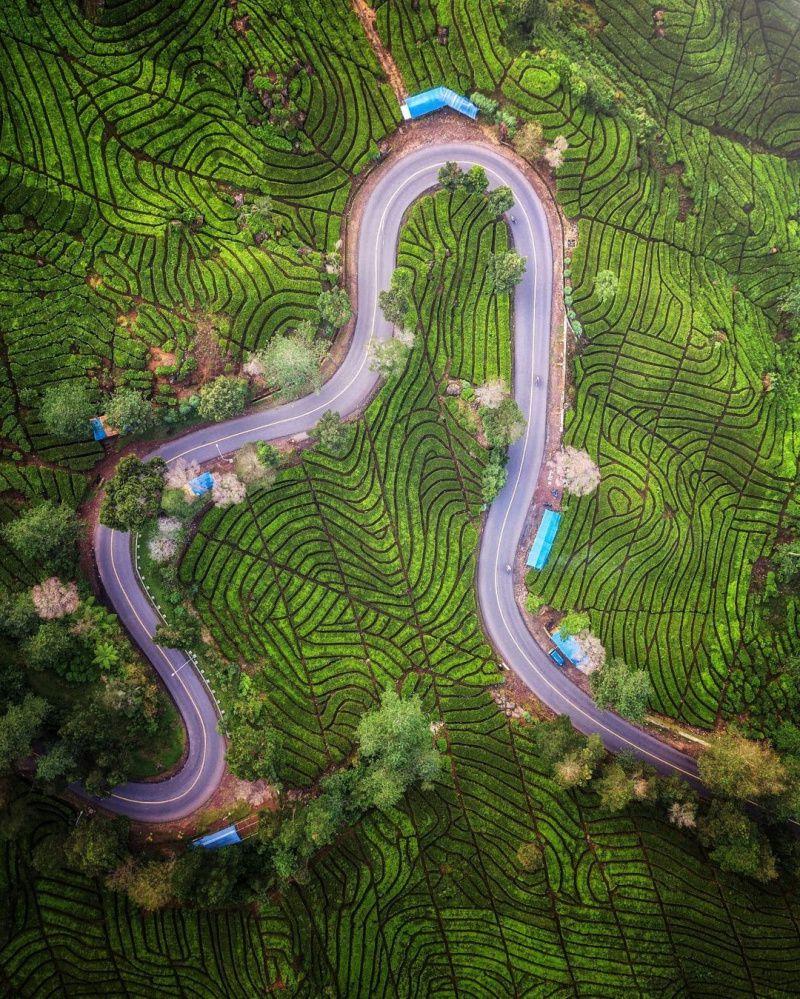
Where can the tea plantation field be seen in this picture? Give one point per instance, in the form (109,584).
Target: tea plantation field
(128,143)
(129,139)
(427,898)
(699,463)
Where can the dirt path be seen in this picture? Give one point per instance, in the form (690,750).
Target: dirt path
(367,17)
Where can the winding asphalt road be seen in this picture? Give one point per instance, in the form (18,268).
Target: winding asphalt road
(401,183)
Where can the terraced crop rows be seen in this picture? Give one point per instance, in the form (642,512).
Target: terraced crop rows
(113,133)
(355,572)
(352,572)
(64,935)
(698,462)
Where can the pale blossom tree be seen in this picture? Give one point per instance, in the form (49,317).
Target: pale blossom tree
(53,599)
(576,472)
(554,154)
(169,527)
(253,366)
(491,393)
(162,548)
(594,655)
(388,357)
(228,490)
(180,473)
(683,814)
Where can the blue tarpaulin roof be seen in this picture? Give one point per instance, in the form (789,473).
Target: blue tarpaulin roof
(98,430)
(543,542)
(202,483)
(571,647)
(433,100)
(228,836)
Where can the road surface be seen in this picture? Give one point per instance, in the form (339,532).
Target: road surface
(401,183)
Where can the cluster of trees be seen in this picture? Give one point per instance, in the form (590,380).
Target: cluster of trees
(92,736)
(67,408)
(133,494)
(503,423)
(395,751)
(331,433)
(529,142)
(291,362)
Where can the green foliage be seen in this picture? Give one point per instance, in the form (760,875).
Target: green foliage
(494,475)
(97,845)
(182,631)
(130,412)
(331,432)
(67,408)
(475,180)
(451,176)
(292,363)
(45,534)
(19,726)
(268,454)
(574,622)
(505,271)
(223,398)
(396,301)
(736,843)
(624,688)
(396,746)
(501,200)
(334,307)
(605,286)
(133,495)
(503,424)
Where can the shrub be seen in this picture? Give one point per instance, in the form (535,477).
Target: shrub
(223,398)
(67,409)
(133,496)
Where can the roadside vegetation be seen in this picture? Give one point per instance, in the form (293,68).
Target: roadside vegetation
(431,833)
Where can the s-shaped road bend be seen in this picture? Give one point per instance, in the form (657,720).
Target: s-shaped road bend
(399,186)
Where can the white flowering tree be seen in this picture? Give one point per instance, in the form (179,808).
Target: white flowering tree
(53,599)
(491,394)
(228,490)
(180,473)
(576,472)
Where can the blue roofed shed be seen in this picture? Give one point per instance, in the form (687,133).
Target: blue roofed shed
(571,648)
(228,836)
(201,484)
(98,430)
(432,100)
(543,542)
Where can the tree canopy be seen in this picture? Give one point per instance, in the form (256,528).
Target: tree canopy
(133,495)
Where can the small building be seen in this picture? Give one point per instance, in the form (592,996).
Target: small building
(434,100)
(229,836)
(201,484)
(570,647)
(100,428)
(543,542)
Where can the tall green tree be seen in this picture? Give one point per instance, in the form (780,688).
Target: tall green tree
(505,271)
(46,534)
(504,424)
(19,726)
(130,412)
(133,495)
(66,410)
(334,307)
(396,744)
(223,398)
(624,688)
(331,432)
(500,201)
